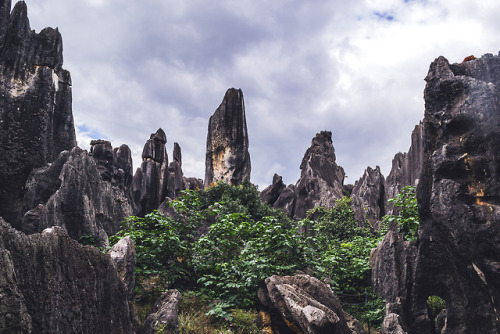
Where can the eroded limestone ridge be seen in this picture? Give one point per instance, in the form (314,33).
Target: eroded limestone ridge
(36,119)
(227,158)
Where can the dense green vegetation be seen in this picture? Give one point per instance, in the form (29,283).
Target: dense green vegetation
(407,219)
(224,241)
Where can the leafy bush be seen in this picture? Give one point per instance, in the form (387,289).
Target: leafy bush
(407,220)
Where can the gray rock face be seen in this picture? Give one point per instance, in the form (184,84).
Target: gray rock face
(150,185)
(286,200)
(123,257)
(271,194)
(458,195)
(36,120)
(164,314)
(406,167)
(305,304)
(52,284)
(393,273)
(71,193)
(176,181)
(114,165)
(227,157)
(368,197)
(321,179)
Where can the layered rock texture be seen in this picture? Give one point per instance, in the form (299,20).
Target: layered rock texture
(303,304)
(227,158)
(36,120)
(52,284)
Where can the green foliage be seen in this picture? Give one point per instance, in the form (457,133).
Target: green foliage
(337,223)
(436,304)
(407,219)
(343,252)
(88,240)
(162,246)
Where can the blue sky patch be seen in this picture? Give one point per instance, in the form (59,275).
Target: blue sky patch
(384,16)
(92,133)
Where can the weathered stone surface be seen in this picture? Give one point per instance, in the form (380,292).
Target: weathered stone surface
(164,314)
(286,200)
(150,185)
(71,193)
(368,197)
(304,303)
(393,273)
(406,167)
(36,120)
(52,284)
(458,196)
(123,258)
(227,157)
(271,194)
(176,181)
(321,179)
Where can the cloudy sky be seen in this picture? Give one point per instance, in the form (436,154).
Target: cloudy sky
(356,68)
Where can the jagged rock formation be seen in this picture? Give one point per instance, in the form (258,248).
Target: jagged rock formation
(458,195)
(227,157)
(71,193)
(459,207)
(406,167)
(36,120)
(52,284)
(368,197)
(176,181)
(150,185)
(114,165)
(321,181)
(271,194)
(304,304)
(164,314)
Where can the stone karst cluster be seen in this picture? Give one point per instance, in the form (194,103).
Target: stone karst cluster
(52,193)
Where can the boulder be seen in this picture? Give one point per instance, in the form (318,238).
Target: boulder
(150,184)
(227,158)
(304,303)
(321,180)
(368,197)
(52,284)
(164,314)
(36,119)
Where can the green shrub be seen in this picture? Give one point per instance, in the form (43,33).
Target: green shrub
(407,220)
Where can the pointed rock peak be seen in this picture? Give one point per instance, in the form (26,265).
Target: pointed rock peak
(321,145)
(440,68)
(159,136)
(227,156)
(19,17)
(177,154)
(155,147)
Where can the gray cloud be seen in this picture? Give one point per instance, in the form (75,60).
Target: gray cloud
(304,66)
